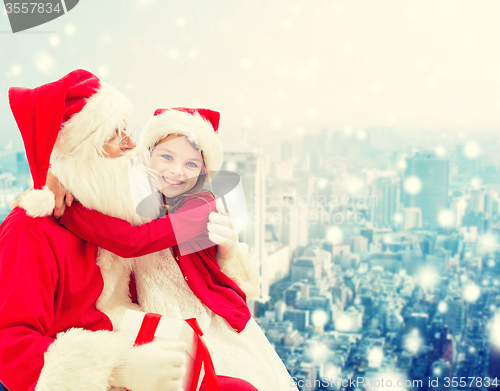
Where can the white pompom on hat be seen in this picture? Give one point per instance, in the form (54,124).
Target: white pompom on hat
(203,123)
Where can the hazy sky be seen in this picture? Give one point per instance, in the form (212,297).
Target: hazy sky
(276,67)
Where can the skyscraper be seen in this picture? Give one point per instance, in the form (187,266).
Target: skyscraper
(465,164)
(412,218)
(432,173)
(385,202)
(250,168)
(455,317)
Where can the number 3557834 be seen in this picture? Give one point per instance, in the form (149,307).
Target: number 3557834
(39,8)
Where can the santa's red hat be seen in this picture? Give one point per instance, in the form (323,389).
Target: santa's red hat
(57,117)
(203,123)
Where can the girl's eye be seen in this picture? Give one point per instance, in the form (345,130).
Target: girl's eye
(192,165)
(168,157)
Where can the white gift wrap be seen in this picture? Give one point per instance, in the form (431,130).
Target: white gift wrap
(169,329)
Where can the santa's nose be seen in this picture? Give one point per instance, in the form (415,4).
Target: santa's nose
(131,144)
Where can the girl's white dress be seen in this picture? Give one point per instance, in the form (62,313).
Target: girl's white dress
(248,355)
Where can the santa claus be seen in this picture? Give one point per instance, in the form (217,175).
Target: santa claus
(52,337)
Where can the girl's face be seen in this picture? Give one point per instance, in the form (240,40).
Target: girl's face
(177,163)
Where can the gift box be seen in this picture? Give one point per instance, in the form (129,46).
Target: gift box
(145,328)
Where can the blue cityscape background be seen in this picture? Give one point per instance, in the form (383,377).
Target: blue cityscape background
(379,254)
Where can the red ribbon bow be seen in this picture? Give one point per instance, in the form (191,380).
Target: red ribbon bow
(147,333)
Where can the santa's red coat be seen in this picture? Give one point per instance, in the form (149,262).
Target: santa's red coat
(49,283)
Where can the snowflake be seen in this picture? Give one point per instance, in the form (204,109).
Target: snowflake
(54,40)
(319,318)
(173,53)
(103,71)
(193,53)
(428,277)
(375,357)
(231,166)
(245,63)
(343,323)
(361,135)
(70,29)
(442,307)
(44,62)
(472,150)
(277,123)
(398,218)
(495,330)
(412,185)
(15,70)
(471,293)
(312,112)
(334,235)
(446,218)
(354,185)
(322,183)
(413,341)
(180,21)
(440,151)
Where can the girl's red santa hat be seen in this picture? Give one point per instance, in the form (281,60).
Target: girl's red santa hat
(202,123)
(57,118)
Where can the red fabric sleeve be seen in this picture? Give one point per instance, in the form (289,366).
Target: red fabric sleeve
(28,277)
(121,238)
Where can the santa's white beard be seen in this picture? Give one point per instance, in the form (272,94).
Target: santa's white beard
(99,183)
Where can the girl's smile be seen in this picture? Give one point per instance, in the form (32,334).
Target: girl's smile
(171,182)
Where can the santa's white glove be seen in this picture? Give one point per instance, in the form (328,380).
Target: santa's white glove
(152,367)
(221,231)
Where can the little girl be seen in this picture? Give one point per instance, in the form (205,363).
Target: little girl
(184,281)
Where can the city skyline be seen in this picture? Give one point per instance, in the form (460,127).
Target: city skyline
(356,283)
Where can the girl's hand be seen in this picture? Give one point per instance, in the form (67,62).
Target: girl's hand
(60,194)
(19,199)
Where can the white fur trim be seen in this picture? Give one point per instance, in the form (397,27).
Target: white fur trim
(115,297)
(179,122)
(38,203)
(82,360)
(104,112)
(242,270)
